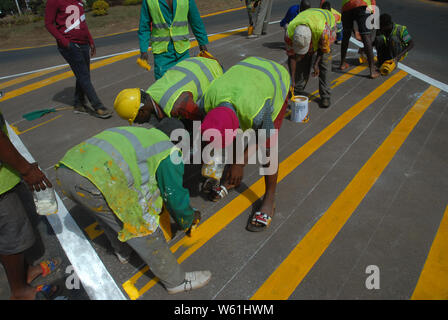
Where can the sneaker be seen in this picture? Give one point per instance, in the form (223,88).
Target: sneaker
(102,112)
(325,103)
(193,280)
(80,109)
(253,36)
(122,259)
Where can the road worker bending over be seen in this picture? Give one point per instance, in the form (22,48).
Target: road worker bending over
(312,32)
(123,176)
(253,94)
(392,44)
(177,94)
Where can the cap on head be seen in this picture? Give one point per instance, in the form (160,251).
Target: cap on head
(127,103)
(301,39)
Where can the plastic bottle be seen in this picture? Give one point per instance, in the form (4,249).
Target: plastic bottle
(213,172)
(45,201)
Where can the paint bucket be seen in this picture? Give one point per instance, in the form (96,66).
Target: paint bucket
(299,108)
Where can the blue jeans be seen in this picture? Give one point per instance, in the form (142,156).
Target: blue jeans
(78,57)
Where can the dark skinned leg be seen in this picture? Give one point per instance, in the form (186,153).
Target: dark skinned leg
(368,49)
(344,47)
(16,272)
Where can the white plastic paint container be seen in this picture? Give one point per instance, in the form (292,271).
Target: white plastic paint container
(299,109)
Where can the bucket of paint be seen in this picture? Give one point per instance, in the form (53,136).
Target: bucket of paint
(299,109)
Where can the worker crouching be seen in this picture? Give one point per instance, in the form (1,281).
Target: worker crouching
(123,176)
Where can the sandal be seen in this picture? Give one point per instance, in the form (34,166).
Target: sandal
(218,192)
(259,221)
(46,292)
(48,267)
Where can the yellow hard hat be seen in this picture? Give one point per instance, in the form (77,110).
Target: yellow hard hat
(127,104)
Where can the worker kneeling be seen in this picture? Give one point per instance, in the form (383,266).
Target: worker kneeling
(177,94)
(392,44)
(253,94)
(123,176)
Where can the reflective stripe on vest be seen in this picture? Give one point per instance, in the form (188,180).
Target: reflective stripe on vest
(162,33)
(193,75)
(9,178)
(262,93)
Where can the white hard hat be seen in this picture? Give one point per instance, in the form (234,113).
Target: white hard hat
(301,39)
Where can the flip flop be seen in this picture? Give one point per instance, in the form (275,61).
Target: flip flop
(48,267)
(46,292)
(262,220)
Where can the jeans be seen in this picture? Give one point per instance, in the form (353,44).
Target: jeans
(78,57)
(152,249)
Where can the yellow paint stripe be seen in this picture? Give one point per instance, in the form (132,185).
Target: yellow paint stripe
(223,11)
(29,77)
(93,231)
(433,281)
(285,279)
(99,64)
(213,225)
(18,132)
(63,76)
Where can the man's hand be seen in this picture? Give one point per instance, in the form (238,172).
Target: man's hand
(316,70)
(235,174)
(35,178)
(144,56)
(202,48)
(92,50)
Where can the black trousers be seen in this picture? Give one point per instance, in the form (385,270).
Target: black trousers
(78,57)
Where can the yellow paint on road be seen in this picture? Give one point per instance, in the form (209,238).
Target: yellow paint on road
(29,77)
(213,225)
(433,281)
(18,132)
(285,279)
(93,231)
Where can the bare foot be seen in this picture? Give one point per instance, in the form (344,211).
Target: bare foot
(344,66)
(374,75)
(33,273)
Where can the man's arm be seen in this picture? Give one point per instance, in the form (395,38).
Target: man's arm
(409,47)
(30,172)
(50,19)
(197,26)
(176,198)
(144,30)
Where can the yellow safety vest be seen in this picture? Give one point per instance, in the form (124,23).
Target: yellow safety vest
(253,88)
(190,75)
(122,163)
(9,178)
(162,33)
(316,20)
